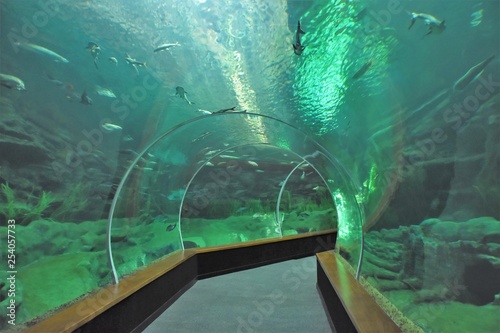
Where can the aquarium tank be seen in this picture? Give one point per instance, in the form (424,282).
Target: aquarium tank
(131,130)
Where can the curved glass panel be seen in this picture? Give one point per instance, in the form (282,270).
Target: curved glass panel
(403,94)
(193,187)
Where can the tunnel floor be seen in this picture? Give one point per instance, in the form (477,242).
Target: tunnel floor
(275,298)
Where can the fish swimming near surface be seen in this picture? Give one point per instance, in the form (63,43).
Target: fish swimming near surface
(182,94)
(435,25)
(111,127)
(472,74)
(113,60)
(85,99)
(42,50)
(362,70)
(164,47)
(298,47)
(171,227)
(12,82)
(95,50)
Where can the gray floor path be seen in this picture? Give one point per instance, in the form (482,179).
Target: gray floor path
(278,298)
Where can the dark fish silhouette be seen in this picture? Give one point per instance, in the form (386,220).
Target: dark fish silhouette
(225,110)
(85,99)
(182,94)
(361,14)
(362,70)
(471,74)
(95,50)
(171,227)
(298,47)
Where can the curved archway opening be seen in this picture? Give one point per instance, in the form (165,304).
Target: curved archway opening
(228,178)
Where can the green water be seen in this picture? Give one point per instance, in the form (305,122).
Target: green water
(376,129)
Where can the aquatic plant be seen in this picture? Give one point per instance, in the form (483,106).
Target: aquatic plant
(74,201)
(45,200)
(254,206)
(22,210)
(8,208)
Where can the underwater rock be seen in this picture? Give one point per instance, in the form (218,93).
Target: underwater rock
(440,260)
(197,241)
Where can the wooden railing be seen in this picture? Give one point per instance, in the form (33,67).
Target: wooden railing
(350,307)
(139,298)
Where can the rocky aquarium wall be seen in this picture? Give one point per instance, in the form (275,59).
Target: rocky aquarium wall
(133,130)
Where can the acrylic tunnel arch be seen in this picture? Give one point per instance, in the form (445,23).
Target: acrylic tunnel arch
(237,186)
(160,187)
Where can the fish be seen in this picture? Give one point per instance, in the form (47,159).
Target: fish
(361,14)
(171,227)
(111,127)
(134,63)
(201,137)
(128,138)
(362,70)
(91,46)
(434,24)
(104,92)
(298,47)
(339,31)
(472,74)
(164,47)
(12,82)
(225,110)
(204,111)
(476,18)
(54,80)
(42,50)
(113,60)
(85,99)
(182,94)
(95,50)
(106,190)
(252,163)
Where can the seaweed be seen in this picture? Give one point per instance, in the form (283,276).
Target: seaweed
(23,211)
(8,208)
(75,201)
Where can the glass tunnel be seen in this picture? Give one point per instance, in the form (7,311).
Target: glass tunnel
(253,179)
(133,130)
